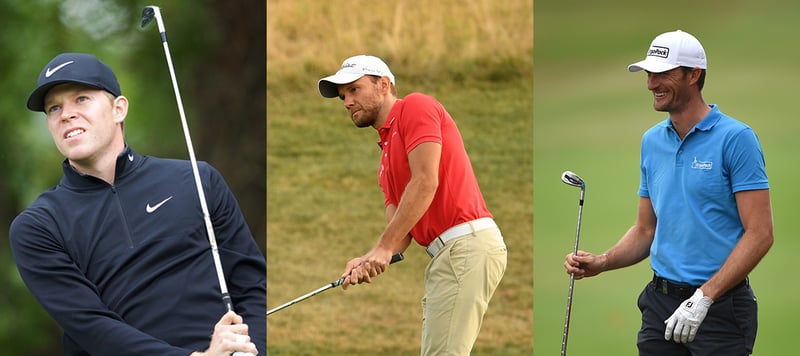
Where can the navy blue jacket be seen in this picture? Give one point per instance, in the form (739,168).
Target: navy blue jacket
(126,269)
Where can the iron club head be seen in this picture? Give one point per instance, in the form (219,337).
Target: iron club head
(148,13)
(572,179)
(153,12)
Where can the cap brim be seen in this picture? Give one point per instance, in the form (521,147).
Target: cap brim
(36,99)
(329,86)
(651,66)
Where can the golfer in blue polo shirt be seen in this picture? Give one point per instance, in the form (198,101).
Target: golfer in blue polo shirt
(704,215)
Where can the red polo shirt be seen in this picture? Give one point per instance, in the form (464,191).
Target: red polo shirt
(419,118)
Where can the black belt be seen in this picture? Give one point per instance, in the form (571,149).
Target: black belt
(682,291)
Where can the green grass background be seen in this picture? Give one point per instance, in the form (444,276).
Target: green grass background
(589,114)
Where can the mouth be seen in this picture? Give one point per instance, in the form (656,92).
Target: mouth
(73,133)
(659,95)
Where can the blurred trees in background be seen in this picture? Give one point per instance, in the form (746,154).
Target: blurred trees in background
(218,50)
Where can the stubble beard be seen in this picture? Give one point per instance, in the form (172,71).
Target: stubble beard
(674,104)
(366,119)
(368,114)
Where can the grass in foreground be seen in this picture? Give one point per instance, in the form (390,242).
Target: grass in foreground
(324,207)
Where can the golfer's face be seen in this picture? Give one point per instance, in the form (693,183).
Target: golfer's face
(362,99)
(670,90)
(83,121)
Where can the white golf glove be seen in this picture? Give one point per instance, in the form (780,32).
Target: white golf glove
(683,324)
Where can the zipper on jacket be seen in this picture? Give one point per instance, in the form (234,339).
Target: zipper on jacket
(126,228)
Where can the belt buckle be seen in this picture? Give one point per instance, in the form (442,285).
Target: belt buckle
(664,286)
(437,244)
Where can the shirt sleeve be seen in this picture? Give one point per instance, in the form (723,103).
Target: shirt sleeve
(422,121)
(643,191)
(243,263)
(746,166)
(70,298)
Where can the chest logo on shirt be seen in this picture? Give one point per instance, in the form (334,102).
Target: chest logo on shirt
(702,165)
(149,209)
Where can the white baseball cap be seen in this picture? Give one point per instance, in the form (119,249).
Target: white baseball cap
(352,69)
(671,50)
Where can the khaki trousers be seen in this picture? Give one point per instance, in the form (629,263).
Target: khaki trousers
(459,282)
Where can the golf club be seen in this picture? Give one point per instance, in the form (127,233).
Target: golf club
(396,258)
(572,179)
(148,14)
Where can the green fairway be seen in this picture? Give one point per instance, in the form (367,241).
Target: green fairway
(589,115)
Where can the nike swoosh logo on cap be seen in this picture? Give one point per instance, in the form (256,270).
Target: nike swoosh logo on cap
(50,72)
(149,209)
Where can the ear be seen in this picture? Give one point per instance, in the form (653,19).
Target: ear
(386,85)
(694,75)
(120,107)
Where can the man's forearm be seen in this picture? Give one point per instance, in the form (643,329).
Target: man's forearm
(756,216)
(415,201)
(631,249)
(634,246)
(742,260)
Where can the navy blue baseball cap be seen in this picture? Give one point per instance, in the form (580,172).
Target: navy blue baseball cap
(73,68)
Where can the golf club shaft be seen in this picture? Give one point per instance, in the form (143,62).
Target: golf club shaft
(565,336)
(226,299)
(571,284)
(569,311)
(301,298)
(212,239)
(578,229)
(395,258)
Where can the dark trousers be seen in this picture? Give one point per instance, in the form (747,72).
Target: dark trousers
(729,327)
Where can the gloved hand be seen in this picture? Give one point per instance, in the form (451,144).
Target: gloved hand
(685,321)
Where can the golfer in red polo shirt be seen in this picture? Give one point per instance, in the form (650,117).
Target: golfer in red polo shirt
(431,196)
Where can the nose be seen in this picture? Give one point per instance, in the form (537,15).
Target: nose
(67,113)
(348,101)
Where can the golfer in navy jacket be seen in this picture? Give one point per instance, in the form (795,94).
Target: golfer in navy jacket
(117,252)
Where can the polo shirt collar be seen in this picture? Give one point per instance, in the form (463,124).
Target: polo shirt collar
(383,131)
(708,122)
(711,119)
(127,161)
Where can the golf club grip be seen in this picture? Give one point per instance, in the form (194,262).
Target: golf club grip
(397,257)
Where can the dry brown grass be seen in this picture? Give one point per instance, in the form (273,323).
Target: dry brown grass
(423,40)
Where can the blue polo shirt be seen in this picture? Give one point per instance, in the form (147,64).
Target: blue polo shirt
(691,184)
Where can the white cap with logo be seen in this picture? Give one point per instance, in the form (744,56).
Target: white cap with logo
(671,50)
(352,69)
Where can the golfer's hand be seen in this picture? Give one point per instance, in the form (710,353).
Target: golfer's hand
(362,269)
(683,324)
(585,264)
(348,274)
(230,335)
(376,261)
